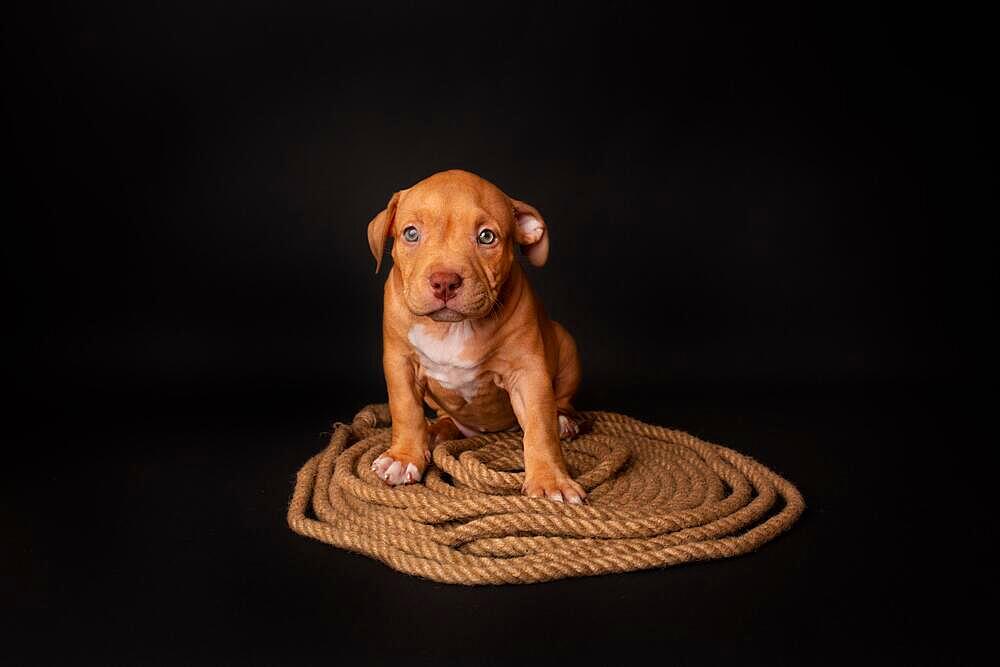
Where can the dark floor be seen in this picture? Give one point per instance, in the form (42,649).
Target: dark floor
(152,530)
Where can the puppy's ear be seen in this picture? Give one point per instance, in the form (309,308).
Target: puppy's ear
(531,232)
(380,229)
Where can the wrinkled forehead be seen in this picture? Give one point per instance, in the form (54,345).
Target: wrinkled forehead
(455,202)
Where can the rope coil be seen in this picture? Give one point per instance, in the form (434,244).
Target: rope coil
(657,497)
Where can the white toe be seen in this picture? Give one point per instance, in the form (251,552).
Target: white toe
(392,473)
(381,464)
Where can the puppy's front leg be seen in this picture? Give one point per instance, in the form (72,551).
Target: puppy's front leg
(545,472)
(407,457)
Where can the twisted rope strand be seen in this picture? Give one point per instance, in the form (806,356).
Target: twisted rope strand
(658,497)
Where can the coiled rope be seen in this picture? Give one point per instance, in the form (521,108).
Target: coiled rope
(657,497)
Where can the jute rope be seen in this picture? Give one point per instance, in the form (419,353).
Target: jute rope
(657,497)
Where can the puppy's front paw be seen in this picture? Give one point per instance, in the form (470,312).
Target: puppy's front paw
(553,485)
(397,466)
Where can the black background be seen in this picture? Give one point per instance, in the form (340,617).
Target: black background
(767,228)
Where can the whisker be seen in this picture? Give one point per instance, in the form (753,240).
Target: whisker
(495,308)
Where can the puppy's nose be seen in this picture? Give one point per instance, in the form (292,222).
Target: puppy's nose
(445,284)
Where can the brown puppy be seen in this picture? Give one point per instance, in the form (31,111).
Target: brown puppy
(464,331)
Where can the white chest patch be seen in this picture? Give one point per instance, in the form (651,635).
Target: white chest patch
(442,357)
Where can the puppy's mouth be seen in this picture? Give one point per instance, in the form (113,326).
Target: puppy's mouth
(446,315)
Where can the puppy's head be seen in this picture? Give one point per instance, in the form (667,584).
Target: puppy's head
(454,238)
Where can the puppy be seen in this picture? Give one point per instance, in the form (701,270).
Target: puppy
(464,331)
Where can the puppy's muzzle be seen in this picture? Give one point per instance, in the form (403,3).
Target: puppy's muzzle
(444,286)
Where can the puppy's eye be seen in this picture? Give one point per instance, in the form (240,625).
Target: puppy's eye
(411,234)
(486,237)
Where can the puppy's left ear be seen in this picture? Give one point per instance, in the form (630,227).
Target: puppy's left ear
(380,228)
(531,232)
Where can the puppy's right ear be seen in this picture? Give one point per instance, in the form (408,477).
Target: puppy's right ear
(380,229)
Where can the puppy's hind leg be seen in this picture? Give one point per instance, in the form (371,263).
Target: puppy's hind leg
(443,429)
(565,384)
